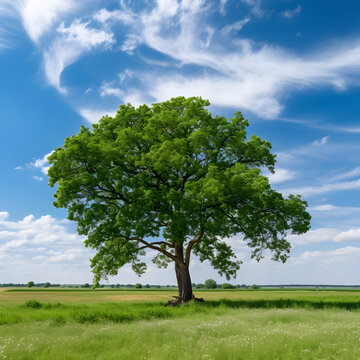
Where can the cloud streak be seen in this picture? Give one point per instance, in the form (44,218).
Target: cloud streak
(69,45)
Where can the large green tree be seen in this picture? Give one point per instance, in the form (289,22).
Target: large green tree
(175,179)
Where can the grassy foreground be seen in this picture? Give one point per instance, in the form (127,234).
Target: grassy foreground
(245,325)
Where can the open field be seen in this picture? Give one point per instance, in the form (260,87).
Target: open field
(235,324)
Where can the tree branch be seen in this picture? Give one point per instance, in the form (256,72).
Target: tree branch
(151,246)
(195,240)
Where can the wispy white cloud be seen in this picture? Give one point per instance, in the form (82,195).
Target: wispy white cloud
(348,174)
(108,89)
(281,175)
(38,15)
(255,6)
(341,255)
(222,6)
(314,236)
(235,27)
(311,149)
(70,44)
(38,178)
(125,16)
(325,188)
(352,235)
(248,75)
(321,141)
(291,13)
(131,43)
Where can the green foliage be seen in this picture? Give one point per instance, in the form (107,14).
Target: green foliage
(174,172)
(147,286)
(200,286)
(227,286)
(138,286)
(210,284)
(30,284)
(86,286)
(254,286)
(47,285)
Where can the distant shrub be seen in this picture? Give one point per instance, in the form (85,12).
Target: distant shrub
(227,286)
(200,286)
(47,285)
(33,304)
(86,285)
(138,286)
(210,284)
(30,284)
(147,286)
(254,286)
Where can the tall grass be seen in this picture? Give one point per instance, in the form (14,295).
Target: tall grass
(257,325)
(35,310)
(233,334)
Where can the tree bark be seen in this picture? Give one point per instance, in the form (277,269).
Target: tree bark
(183,276)
(184,282)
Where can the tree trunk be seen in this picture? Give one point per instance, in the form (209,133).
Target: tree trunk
(182,276)
(184,282)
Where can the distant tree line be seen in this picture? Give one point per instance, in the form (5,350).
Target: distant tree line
(208,284)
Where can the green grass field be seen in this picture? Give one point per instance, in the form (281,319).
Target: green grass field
(233,324)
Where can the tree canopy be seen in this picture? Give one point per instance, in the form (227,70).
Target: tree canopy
(172,178)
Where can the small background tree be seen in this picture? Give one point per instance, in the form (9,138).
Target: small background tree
(227,286)
(138,286)
(210,284)
(30,284)
(47,285)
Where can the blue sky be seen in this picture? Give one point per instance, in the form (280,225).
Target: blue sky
(291,67)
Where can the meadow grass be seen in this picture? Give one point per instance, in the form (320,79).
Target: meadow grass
(252,326)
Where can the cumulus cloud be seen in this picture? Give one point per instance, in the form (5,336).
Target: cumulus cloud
(94,115)
(281,175)
(44,248)
(44,230)
(41,164)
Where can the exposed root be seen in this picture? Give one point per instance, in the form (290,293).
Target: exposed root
(179,301)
